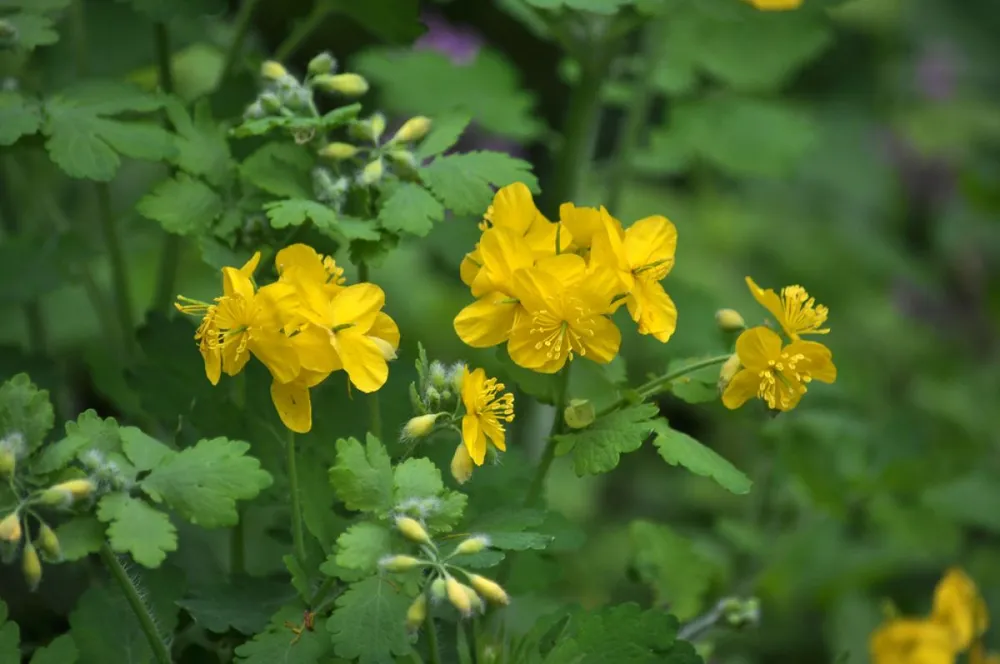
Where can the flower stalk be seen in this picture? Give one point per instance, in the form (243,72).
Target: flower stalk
(298,537)
(142,612)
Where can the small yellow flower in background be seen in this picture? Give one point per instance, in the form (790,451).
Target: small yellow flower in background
(775,373)
(959,607)
(775,5)
(910,641)
(794,310)
(487,407)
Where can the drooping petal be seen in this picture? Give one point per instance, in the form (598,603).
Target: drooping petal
(385,328)
(363,360)
(358,306)
(651,241)
(487,321)
(316,353)
(277,353)
(471,264)
(213,364)
(582,222)
(607,250)
(769,300)
(757,346)
(653,310)
(234,356)
(236,282)
(820,360)
(514,208)
(293,404)
(603,345)
(741,388)
(474,439)
(503,252)
(300,261)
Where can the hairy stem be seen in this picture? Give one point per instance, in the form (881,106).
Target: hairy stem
(302,31)
(119,271)
(243,17)
(142,612)
(298,537)
(434,650)
(697,627)
(549,453)
(660,383)
(374,407)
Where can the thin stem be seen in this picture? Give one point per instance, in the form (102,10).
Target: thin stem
(374,407)
(635,118)
(473,626)
(166,281)
(657,385)
(243,17)
(321,592)
(697,627)
(434,650)
(119,272)
(302,31)
(33,317)
(237,545)
(298,538)
(142,612)
(549,453)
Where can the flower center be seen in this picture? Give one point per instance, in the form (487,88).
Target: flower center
(802,314)
(489,404)
(783,380)
(563,335)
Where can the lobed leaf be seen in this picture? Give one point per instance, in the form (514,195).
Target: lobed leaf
(26,410)
(182,205)
(19,117)
(679,576)
(137,528)
(362,476)
(598,448)
(465,182)
(680,449)
(368,623)
(409,208)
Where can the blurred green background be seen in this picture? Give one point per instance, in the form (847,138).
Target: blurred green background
(850,147)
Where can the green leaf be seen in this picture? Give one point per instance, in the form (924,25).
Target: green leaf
(419,491)
(417,478)
(362,545)
(606,7)
(395,21)
(172,10)
(362,476)
(598,448)
(10,637)
(368,623)
(464,182)
(680,449)
(298,126)
(137,528)
(679,576)
(409,208)
(699,386)
(296,212)
(85,143)
(33,30)
(25,409)
(144,451)
(18,117)
(60,650)
(961,501)
(203,483)
(202,148)
(625,634)
(245,604)
(444,133)
(507,529)
(80,537)
(88,432)
(281,169)
(274,645)
(182,205)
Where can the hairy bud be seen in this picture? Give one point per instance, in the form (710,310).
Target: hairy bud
(48,543)
(324,63)
(438,589)
(458,596)
(420,426)
(474,544)
(412,530)
(372,173)
(399,563)
(338,151)
(417,612)
(65,493)
(728,370)
(412,130)
(270,102)
(729,320)
(461,464)
(349,85)
(489,589)
(273,70)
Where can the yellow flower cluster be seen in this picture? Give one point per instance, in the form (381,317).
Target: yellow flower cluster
(958,620)
(303,327)
(775,5)
(771,370)
(547,288)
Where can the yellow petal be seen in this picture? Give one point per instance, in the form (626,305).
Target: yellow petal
(912,641)
(525,351)
(304,263)
(475,441)
(651,241)
(757,346)
(503,252)
(315,350)
(471,264)
(213,364)
(775,5)
(363,360)
(514,208)
(358,306)
(236,282)
(959,607)
(569,269)
(653,310)
(294,407)
(461,464)
(769,300)
(537,289)
(472,387)
(608,251)
(385,328)
(233,358)
(487,321)
(275,350)
(545,238)
(740,389)
(603,345)
(820,359)
(582,222)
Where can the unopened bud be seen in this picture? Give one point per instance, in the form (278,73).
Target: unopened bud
(458,596)
(67,492)
(270,102)
(420,426)
(728,370)
(458,376)
(338,151)
(489,589)
(438,589)
(372,173)
(377,121)
(461,464)
(729,320)
(412,130)
(412,530)
(438,375)
(403,159)
(273,71)
(8,463)
(579,414)
(10,528)
(48,543)
(31,566)
(255,111)
(324,63)
(475,601)
(473,545)
(349,85)
(417,612)
(399,563)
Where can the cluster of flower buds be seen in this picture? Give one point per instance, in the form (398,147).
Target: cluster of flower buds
(443,582)
(436,397)
(285,95)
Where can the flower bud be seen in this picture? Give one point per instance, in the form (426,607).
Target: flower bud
(399,563)
(458,596)
(48,543)
(273,71)
(338,151)
(438,589)
(31,566)
(475,601)
(412,130)
(349,85)
(10,528)
(270,103)
(412,530)
(461,464)
(728,370)
(580,413)
(417,612)
(372,173)
(324,63)
(472,545)
(457,376)
(729,320)
(420,426)
(8,463)
(377,121)
(438,375)
(65,493)
(403,159)
(254,111)
(489,589)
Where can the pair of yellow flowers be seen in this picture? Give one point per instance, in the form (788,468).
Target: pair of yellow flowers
(546,288)
(957,622)
(303,327)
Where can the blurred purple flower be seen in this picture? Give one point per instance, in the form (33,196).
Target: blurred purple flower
(927,181)
(937,71)
(460,44)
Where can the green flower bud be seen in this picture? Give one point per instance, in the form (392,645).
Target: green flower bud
(338,151)
(324,63)
(31,566)
(420,426)
(349,85)
(10,528)
(399,563)
(271,103)
(48,543)
(372,173)
(412,530)
(412,130)
(729,320)
(273,71)
(473,545)
(438,589)
(417,612)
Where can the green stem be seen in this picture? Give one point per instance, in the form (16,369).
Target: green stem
(243,17)
(434,650)
(659,384)
(374,407)
(635,118)
(170,256)
(142,612)
(298,537)
(549,453)
(302,31)
(33,317)
(321,592)
(237,545)
(119,272)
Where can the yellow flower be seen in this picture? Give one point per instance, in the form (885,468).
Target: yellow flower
(583,224)
(794,310)
(642,256)
(565,306)
(775,373)
(514,208)
(300,262)
(910,641)
(775,5)
(959,607)
(487,407)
